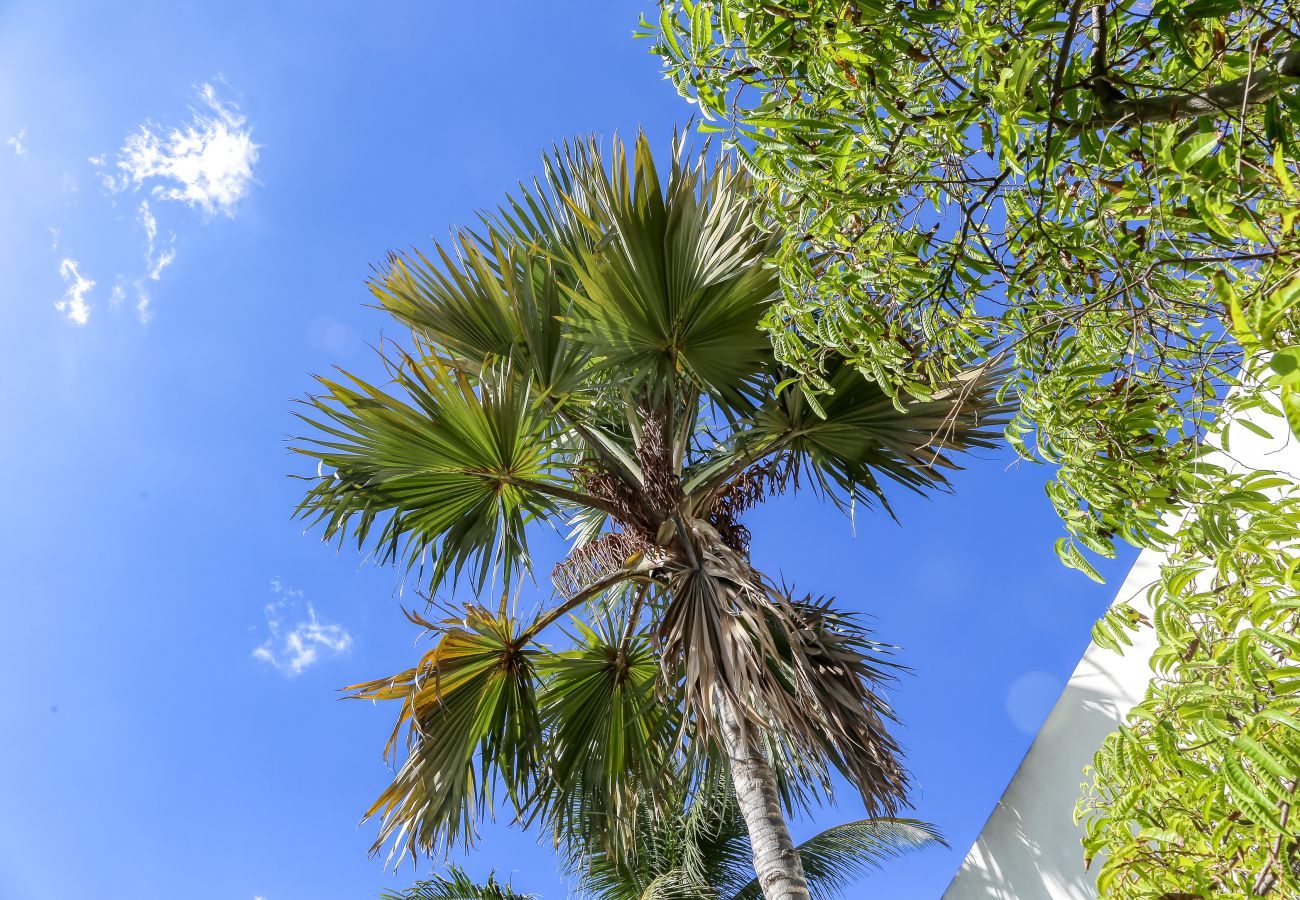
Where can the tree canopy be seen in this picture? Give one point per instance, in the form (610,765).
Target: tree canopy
(1103,197)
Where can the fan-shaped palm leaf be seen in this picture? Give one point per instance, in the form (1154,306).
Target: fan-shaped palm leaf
(675,283)
(453,468)
(471,713)
(852,436)
(610,737)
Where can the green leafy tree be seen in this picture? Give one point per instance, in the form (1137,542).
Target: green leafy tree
(591,356)
(703,854)
(1102,196)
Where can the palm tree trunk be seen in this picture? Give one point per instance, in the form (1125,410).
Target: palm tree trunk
(776,861)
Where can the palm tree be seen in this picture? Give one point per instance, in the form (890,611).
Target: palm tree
(702,854)
(591,355)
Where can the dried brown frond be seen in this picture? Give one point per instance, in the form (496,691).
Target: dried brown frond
(843,668)
(794,668)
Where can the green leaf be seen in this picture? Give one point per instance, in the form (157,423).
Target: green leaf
(1194,149)
(1257,804)
(1286,363)
(610,740)
(1211,9)
(1069,554)
(1291,407)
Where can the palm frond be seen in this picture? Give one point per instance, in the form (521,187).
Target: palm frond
(609,741)
(855,436)
(664,866)
(793,670)
(670,282)
(703,852)
(835,859)
(457,885)
(837,672)
(445,468)
(470,714)
(483,302)
(716,847)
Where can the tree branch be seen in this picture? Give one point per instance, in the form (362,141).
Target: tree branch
(642,568)
(1100,60)
(1230,96)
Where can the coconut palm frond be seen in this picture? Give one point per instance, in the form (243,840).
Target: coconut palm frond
(704,852)
(838,857)
(457,885)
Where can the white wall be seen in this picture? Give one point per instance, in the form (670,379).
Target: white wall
(1029,848)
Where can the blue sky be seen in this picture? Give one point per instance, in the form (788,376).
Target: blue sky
(172,640)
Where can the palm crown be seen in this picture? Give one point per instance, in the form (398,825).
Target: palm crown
(591,355)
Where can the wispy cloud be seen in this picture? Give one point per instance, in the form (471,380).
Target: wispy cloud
(297,637)
(16,141)
(143,304)
(156,259)
(74,305)
(156,262)
(207,163)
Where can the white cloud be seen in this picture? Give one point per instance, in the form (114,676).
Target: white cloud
(73,305)
(298,638)
(207,163)
(161,260)
(17,142)
(142,308)
(155,260)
